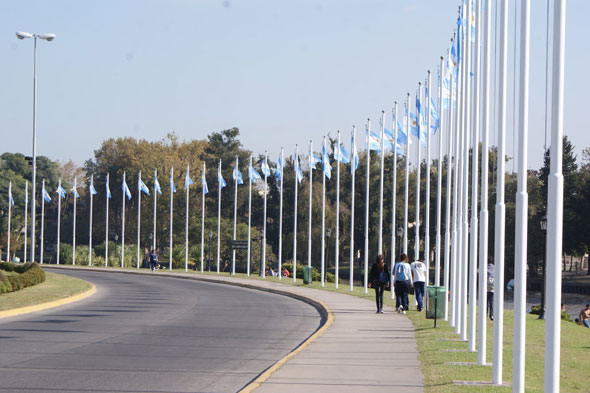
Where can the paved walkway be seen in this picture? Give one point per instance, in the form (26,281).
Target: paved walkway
(359,351)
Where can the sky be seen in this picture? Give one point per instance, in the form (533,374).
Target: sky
(283,72)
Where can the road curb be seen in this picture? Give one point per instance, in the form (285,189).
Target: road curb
(44,306)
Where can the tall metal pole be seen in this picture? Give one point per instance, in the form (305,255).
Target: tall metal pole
(89,224)
(281,219)
(555,205)
(418,168)
(439,177)
(26,217)
(122,224)
(393,196)
(322,259)
(407,179)
(382,162)
(455,234)
(296,161)
(138,215)
(74,226)
(42,224)
(309,222)
(58,222)
(263,267)
(203,182)
(337,238)
(155,202)
(171,219)
(448,211)
(187,187)
(249,215)
(233,252)
(366,267)
(33,180)
(219,214)
(9,216)
(352,172)
(106,230)
(427,187)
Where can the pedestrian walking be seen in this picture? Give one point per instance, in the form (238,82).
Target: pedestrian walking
(379,280)
(403,280)
(153,259)
(419,276)
(490,284)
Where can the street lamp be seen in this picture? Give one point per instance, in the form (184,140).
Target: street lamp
(400,233)
(209,258)
(21,35)
(543,224)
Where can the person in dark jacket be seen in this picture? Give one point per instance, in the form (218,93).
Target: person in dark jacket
(379,280)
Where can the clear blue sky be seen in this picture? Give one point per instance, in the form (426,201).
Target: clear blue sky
(284,72)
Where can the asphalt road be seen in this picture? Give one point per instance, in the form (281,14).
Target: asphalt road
(151,334)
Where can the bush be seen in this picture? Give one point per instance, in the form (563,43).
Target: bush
(536,310)
(4,284)
(315,274)
(28,275)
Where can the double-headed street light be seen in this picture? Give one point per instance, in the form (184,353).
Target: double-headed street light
(21,35)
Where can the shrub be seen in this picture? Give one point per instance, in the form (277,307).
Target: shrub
(564,315)
(28,275)
(315,274)
(4,284)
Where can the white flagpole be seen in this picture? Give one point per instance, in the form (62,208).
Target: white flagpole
(58,223)
(171,220)
(263,267)
(322,259)
(500,234)
(427,108)
(202,217)
(295,215)
(249,215)
(122,224)
(9,215)
(380,245)
(337,238)
(439,177)
(281,220)
(393,197)
(352,170)
(106,236)
(474,190)
(187,186)
(449,194)
(310,187)
(407,179)
(155,201)
(138,215)
(233,262)
(43,222)
(484,214)
(90,225)
(520,252)
(418,170)
(555,206)
(74,228)
(366,267)
(26,217)
(218,214)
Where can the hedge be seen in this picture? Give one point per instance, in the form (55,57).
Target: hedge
(28,275)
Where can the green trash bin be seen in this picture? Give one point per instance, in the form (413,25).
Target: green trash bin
(436,302)
(307,276)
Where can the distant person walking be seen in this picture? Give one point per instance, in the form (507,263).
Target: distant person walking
(379,280)
(153,259)
(491,283)
(585,316)
(403,279)
(419,275)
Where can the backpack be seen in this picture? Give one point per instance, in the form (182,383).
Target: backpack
(400,273)
(491,282)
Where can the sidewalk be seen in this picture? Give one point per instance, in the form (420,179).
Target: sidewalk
(359,351)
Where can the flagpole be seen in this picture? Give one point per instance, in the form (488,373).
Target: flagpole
(263,267)
(155,201)
(500,219)
(393,197)
(520,252)
(122,223)
(26,217)
(455,179)
(281,220)
(407,179)
(352,172)
(439,178)
(202,216)
(337,239)
(380,245)
(43,222)
(295,214)
(58,222)
(449,195)
(427,104)
(233,262)
(187,186)
(322,259)
(171,219)
(9,214)
(249,214)
(366,267)
(310,189)
(106,236)
(90,224)
(218,214)
(418,170)
(138,215)
(555,206)
(484,214)
(74,227)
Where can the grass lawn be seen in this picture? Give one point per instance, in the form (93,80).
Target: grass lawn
(55,287)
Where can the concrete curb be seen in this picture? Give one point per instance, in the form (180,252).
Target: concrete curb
(327,316)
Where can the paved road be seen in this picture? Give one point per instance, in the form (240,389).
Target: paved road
(151,334)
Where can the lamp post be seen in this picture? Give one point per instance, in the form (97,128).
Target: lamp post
(543,224)
(47,37)
(400,233)
(209,257)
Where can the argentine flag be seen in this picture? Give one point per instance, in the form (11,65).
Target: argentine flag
(298,172)
(253,173)
(315,160)
(126,189)
(172,186)
(279,169)
(108,189)
(265,169)
(76,195)
(46,195)
(355,156)
(92,189)
(236,175)
(143,187)
(10,198)
(157,186)
(222,182)
(61,192)
(203,181)
(341,155)
(187,179)
(326,163)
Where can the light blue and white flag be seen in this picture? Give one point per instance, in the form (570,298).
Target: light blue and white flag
(172,186)
(10,198)
(341,155)
(237,175)
(157,185)
(92,189)
(203,181)
(107,188)
(298,171)
(414,129)
(315,160)
(264,168)
(143,187)
(126,189)
(253,173)
(220,178)
(75,191)
(45,194)
(188,181)
(61,192)
(326,163)
(279,169)
(355,156)
(374,142)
